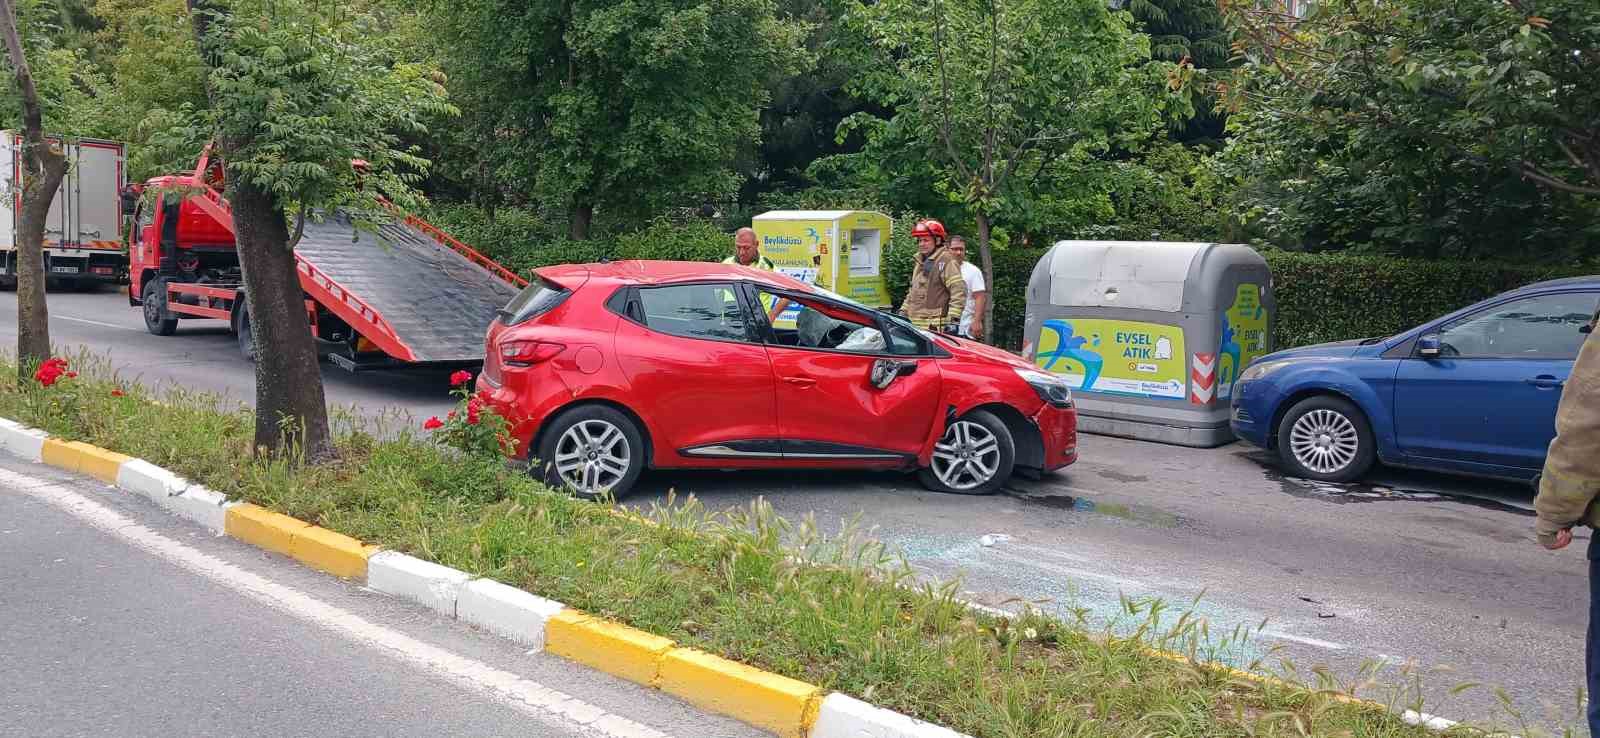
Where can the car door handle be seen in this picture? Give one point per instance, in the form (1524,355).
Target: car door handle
(1545,381)
(801,381)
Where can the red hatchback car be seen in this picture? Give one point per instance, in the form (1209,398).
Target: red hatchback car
(605,369)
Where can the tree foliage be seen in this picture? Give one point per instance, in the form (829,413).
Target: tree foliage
(989,94)
(1427,127)
(607,105)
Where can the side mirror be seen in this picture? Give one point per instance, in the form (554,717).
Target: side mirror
(1430,347)
(885,371)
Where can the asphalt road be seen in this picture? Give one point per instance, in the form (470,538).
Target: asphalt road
(121,620)
(1406,568)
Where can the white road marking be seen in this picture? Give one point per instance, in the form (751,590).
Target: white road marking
(95,322)
(1281,636)
(551,706)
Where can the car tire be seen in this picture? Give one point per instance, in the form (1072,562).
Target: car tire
(575,448)
(1327,439)
(975,456)
(157,319)
(245,333)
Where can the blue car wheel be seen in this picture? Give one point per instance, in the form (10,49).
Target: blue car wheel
(1327,439)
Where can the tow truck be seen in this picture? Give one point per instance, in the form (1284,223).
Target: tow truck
(406,296)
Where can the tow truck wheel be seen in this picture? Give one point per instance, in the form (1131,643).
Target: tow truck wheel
(156,318)
(246,336)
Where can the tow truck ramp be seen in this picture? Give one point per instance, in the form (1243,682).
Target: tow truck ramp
(408,288)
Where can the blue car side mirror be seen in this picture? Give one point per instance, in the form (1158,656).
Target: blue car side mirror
(1429,346)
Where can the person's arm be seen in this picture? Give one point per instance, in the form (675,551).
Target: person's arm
(980,301)
(1571,477)
(957,287)
(777,309)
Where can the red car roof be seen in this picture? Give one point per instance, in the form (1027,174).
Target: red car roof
(666,272)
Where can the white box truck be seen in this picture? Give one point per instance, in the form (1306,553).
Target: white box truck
(83,242)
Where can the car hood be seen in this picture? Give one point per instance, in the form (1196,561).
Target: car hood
(1333,350)
(965,349)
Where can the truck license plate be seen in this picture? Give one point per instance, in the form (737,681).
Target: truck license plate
(64,270)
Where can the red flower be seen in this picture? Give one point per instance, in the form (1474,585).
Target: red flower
(433,424)
(452,415)
(72,375)
(116,393)
(474,405)
(50,371)
(460,378)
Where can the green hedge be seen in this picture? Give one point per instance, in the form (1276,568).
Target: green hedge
(1321,297)
(1332,297)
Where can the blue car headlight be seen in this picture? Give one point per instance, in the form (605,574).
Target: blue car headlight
(1257,371)
(1051,388)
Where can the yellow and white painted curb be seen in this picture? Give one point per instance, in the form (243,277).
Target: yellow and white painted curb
(784,706)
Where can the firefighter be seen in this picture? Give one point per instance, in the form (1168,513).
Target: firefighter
(1568,487)
(938,294)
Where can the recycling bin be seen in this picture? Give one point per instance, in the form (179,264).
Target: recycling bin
(838,250)
(1150,335)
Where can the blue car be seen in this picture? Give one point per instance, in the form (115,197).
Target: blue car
(1473,392)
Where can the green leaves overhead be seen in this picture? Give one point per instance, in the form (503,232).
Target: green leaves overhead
(297,92)
(626,106)
(1430,127)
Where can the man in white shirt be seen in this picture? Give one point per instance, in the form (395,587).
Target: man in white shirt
(977,291)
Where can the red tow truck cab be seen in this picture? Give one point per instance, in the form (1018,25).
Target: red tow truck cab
(409,295)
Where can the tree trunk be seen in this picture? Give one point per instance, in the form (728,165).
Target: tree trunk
(291,412)
(987,257)
(42,172)
(582,216)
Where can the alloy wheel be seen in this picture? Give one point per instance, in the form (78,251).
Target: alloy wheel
(1324,441)
(967,456)
(592,456)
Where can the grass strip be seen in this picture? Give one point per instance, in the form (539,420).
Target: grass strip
(838,611)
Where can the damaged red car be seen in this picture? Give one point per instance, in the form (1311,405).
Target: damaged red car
(605,370)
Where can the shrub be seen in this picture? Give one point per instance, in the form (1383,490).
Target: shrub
(1321,297)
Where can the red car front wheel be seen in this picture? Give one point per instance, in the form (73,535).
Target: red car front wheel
(974,457)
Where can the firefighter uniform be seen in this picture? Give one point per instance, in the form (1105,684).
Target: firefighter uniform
(938,294)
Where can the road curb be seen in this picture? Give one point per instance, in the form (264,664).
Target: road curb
(83,459)
(505,611)
(777,703)
(22,440)
(613,648)
(787,707)
(422,582)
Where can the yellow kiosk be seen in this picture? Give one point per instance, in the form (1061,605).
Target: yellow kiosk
(837,250)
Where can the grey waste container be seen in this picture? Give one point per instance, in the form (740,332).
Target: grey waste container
(1151,335)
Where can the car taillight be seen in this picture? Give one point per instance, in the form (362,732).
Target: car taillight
(528,353)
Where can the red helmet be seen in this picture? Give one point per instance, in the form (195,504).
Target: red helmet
(928,227)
